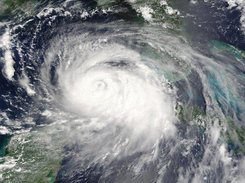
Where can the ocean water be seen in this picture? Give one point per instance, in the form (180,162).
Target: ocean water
(122,91)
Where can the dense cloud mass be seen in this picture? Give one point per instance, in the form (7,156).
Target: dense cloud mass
(104,81)
(109,91)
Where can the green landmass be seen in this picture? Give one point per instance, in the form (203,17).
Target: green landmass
(235,136)
(159,13)
(232,133)
(36,155)
(187,114)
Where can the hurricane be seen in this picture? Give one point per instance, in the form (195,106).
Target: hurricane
(121,91)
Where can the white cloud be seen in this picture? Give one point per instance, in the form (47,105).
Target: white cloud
(5,44)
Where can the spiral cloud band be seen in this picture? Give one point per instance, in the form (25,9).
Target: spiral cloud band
(111,95)
(102,79)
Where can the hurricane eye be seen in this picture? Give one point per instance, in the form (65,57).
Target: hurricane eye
(122,91)
(100,85)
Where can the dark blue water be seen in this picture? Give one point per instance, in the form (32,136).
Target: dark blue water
(212,20)
(207,23)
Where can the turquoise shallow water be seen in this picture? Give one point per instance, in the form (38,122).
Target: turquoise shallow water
(93,91)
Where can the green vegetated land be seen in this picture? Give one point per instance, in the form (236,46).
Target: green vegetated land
(232,133)
(8,6)
(35,156)
(158,11)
